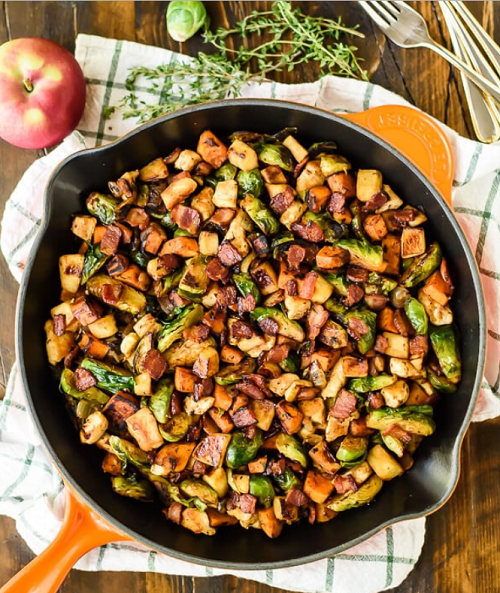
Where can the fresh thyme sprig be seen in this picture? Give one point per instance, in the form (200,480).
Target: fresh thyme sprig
(293,39)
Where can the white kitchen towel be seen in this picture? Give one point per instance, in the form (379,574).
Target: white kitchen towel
(31,493)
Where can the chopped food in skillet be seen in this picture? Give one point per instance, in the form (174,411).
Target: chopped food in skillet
(253,332)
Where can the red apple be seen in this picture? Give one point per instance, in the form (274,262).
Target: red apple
(42,92)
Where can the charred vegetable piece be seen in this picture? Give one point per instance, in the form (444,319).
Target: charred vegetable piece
(291,448)
(364,254)
(92,394)
(262,488)
(102,207)
(361,322)
(133,487)
(246,285)
(109,377)
(364,494)
(444,340)
(260,214)
(250,182)
(172,330)
(414,422)
(277,154)
(287,480)
(159,402)
(242,450)
(176,428)
(422,267)
(94,260)
(371,383)
(116,294)
(232,374)
(417,316)
(286,327)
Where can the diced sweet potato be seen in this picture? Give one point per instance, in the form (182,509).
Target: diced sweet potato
(375,227)
(269,523)
(152,238)
(212,449)
(172,457)
(183,246)
(317,486)
(211,149)
(437,288)
(92,346)
(289,416)
(391,244)
(222,421)
(223,401)
(119,407)
(184,380)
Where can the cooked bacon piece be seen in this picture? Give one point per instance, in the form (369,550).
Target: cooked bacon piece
(282,201)
(250,389)
(85,310)
(402,323)
(343,484)
(375,202)
(316,319)
(376,302)
(344,405)
(337,203)
(177,299)
(111,239)
(186,218)
(216,271)
(309,232)
(269,326)
(292,288)
(357,328)
(278,354)
(243,417)
(289,416)
(117,264)
(261,246)
(308,285)
(194,433)
(199,467)
(376,400)
(398,433)
(222,218)
(137,217)
(70,357)
(168,263)
(228,255)
(354,294)
(381,344)
(356,274)
(111,293)
(59,322)
(295,256)
(250,431)
(84,379)
(297,498)
(203,388)
(176,406)
(248,503)
(154,364)
(419,346)
(241,329)
(174,512)
(196,333)
(246,304)
(308,393)
(226,297)
(276,467)
(331,257)
(260,381)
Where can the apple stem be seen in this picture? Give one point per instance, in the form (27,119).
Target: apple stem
(28,85)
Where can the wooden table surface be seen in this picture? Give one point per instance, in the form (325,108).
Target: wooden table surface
(462,544)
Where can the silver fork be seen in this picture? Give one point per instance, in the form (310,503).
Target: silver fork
(407,28)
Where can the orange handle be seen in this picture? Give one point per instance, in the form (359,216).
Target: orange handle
(417,136)
(81,531)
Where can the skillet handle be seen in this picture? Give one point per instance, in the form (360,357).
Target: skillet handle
(81,531)
(417,136)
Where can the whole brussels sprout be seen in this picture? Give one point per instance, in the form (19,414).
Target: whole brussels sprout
(277,154)
(184,19)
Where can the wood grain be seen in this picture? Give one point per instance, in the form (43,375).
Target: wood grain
(461,551)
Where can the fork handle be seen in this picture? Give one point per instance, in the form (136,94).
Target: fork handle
(484,84)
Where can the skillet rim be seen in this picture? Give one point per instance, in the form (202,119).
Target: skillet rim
(311,111)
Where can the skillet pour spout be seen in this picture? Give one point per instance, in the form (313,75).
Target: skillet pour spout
(409,148)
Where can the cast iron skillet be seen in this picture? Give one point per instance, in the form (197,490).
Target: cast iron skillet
(418,492)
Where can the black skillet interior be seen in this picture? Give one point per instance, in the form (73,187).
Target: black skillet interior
(420,491)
